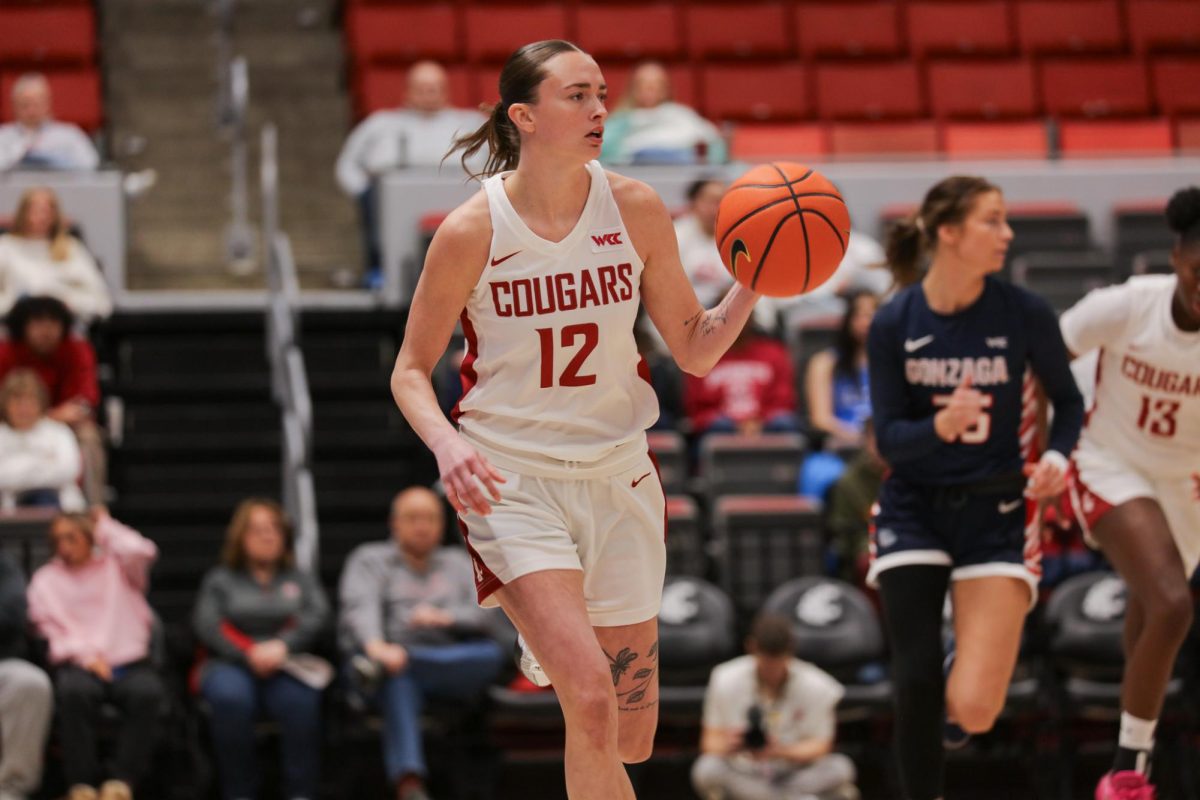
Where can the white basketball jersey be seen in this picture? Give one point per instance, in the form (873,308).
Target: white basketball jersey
(551,368)
(1147,396)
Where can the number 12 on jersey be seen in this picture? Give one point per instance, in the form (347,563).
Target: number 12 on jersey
(589,332)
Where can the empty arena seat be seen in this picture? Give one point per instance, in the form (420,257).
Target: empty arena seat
(848,29)
(762,541)
(1069,26)
(765,464)
(983,27)
(754,91)
(1177,84)
(1141,230)
(1148,137)
(982,89)
(1048,226)
(736,29)
(493,32)
(1187,135)
(697,630)
(880,139)
(768,140)
(869,91)
(1028,139)
(65,35)
(76,94)
(629,31)
(381,87)
(377,34)
(686,553)
(1095,88)
(1152,262)
(1164,25)
(670,451)
(682,76)
(1062,277)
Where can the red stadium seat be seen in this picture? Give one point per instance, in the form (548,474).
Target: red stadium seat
(736,29)
(494,32)
(869,91)
(982,89)
(755,92)
(629,31)
(75,93)
(995,139)
(384,87)
(1187,135)
(376,34)
(1177,85)
(848,29)
(683,82)
(64,35)
(1164,25)
(1095,88)
(1150,137)
(1069,26)
(983,27)
(884,139)
(761,142)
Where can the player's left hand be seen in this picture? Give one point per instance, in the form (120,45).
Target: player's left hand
(1047,478)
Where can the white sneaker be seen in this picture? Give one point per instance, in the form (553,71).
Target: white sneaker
(529,666)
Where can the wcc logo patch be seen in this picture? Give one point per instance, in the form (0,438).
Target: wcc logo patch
(606,239)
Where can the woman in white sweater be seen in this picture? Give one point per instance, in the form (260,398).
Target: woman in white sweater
(39,458)
(39,257)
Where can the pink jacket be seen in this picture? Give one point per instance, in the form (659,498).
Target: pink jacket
(98,609)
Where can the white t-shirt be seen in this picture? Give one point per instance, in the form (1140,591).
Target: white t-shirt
(44,457)
(55,145)
(552,370)
(27,268)
(706,271)
(1147,393)
(805,709)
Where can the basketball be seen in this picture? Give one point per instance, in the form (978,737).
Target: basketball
(782,229)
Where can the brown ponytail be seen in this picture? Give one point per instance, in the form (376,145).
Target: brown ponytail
(909,239)
(519,79)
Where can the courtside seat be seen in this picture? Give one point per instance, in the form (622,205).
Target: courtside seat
(1176,88)
(755,91)
(741,30)
(883,90)
(1028,139)
(854,28)
(1126,137)
(974,89)
(1164,25)
(1048,226)
(876,140)
(1152,262)
(980,27)
(697,631)
(766,141)
(493,32)
(406,33)
(1079,87)
(1069,26)
(32,35)
(687,553)
(768,463)
(1141,229)
(1062,277)
(649,30)
(76,95)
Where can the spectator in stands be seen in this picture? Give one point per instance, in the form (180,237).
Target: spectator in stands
(89,604)
(34,140)
(863,268)
(648,127)
(848,514)
(39,458)
(39,256)
(696,231)
(750,390)
(40,339)
(26,697)
(259,616)
(769,725)
(417,135)
(409,605)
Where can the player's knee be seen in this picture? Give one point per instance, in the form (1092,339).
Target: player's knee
(975,714)
(589,702)
(1169,608)
(636,743)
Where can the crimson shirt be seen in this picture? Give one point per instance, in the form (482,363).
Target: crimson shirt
(753,380)
(69,372)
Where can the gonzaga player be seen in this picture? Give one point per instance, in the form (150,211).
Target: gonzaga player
(947,358)
(1135,484)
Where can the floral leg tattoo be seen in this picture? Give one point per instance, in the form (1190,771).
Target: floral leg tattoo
(631,696)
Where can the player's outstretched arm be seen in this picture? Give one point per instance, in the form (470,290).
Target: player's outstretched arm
(697,338)
(452,267)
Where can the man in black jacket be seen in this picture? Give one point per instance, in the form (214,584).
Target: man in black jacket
(26,698)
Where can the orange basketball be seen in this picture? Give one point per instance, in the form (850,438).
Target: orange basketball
(782,229)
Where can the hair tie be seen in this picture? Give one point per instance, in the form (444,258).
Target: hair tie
(920,223)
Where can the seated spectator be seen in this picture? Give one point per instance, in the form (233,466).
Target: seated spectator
(769,724)
(34,140)
(26,698)
(38,256)
(849,508)
(696,232)
(417,135)
(835,383)
(40,339)
(39,458)
(862,269)
(648,127)
(258,615)
(749,391)
(409,605)
(89,604)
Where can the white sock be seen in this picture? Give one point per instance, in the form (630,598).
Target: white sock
(1137,734)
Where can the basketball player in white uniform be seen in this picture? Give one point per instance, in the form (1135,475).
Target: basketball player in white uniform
(549,470)
(1136,484)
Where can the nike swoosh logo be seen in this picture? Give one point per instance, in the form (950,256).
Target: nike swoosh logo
(1010,506)
(913,345)
(639,480)
(497,261)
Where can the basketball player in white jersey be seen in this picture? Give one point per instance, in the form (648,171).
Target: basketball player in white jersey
(548,469)
(1136,487)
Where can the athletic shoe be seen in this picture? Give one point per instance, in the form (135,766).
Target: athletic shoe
(953,736)
(1124,785)
(529,666)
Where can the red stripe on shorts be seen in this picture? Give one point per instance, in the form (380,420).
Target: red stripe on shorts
(486,581)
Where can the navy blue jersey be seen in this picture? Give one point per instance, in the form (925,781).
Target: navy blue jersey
(918,357)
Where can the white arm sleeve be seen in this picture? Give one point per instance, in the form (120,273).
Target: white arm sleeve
(1100,318)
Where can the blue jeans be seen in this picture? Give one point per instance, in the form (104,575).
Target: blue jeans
(453,672)
(235,696)
(780,422)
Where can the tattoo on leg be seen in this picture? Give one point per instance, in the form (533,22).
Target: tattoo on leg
(629,699)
